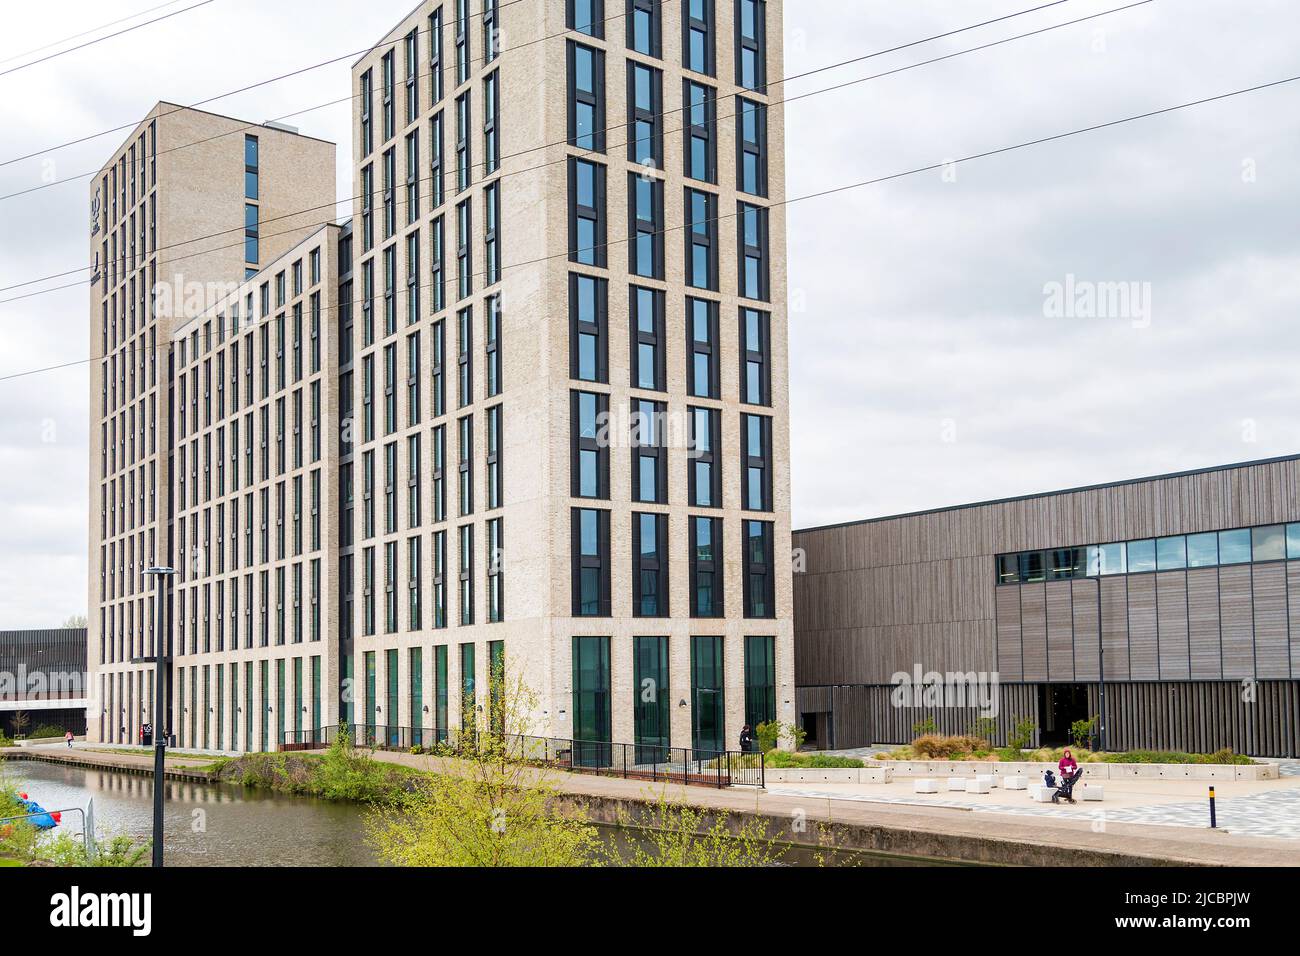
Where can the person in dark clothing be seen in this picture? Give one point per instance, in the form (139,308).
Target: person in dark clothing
(746,739)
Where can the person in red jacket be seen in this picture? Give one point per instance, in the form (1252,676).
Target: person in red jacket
(1068,766)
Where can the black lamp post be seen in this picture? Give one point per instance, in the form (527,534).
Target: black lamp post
(160,710)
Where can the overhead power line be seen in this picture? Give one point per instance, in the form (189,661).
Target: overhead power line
(836,190)
(608,128)
(82,46)
(86,33)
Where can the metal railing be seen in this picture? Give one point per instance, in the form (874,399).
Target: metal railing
(685,765)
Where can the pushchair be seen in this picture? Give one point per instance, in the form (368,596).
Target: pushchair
(1066,787)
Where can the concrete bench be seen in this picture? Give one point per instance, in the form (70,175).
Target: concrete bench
(1091,791)
(877,775)
(957,784)
(1015,783)
(988,778)
(979,785)
(925,786)
(1041,794)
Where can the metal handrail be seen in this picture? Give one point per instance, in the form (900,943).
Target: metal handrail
(720,768)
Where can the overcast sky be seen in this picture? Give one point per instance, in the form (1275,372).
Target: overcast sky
(929,364)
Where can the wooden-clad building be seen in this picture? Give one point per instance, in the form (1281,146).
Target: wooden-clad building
(1167,606)
(43,677)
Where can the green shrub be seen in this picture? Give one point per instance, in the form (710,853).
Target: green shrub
(986,728)
(768,735)
(785,760)
(1023,735)
(46,731)
(925,728)
(1082,732)
(937,747)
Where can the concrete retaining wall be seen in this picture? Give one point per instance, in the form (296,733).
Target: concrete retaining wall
(1093,771)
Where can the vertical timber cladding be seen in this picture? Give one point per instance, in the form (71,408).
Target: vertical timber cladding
(1203,716)
(864,715)
(1174,645)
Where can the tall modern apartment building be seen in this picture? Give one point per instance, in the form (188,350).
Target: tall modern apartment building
(526,411)
(567,377)
(187,207)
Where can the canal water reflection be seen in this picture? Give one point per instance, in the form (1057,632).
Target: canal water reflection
(222,825)
(206,825)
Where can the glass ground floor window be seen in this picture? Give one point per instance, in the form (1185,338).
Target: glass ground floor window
(591,701)
(390,704)
(467,694)
(708,726)
(760,681)
(497,685)
(440,692)
(650,705)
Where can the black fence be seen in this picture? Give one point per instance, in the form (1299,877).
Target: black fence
(711,768)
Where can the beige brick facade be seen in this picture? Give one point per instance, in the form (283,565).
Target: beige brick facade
(167,238)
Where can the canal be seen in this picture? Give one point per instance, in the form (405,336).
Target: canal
(223,825)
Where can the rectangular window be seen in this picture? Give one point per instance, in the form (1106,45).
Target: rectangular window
(753,243)
(415,680)
(440,693)
(701,240)
(587,222)
(468,690)
(751,147)
(464,252)
(492,345)
(464,121)
(439,487)
(755,357)
(649,421)
(586,70)
(591,702)
(1269,543)
(645,27)
(251,254)
(251,167)
(465,357)
(436,172)
(491,138)
(367,96)
(494,489)
(698,43)
(390,587)
(388,77)
(705,468)
(589,465)
(495,571)
(586,16)
(645,226)
(650,709)
(589,544)
(414,569)
(413,170)
(466,577)
(646,334)
(706,567)
(760,577)
(435,56)
(700,124)
(751,44)
(465,466)
(760,680)
(391,713)
(645,109)
(411,50)
(756,463)
(703,349)
(1234,548)
(650,565)
(492,233)
(708,698)
(440,579)
(588,327)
